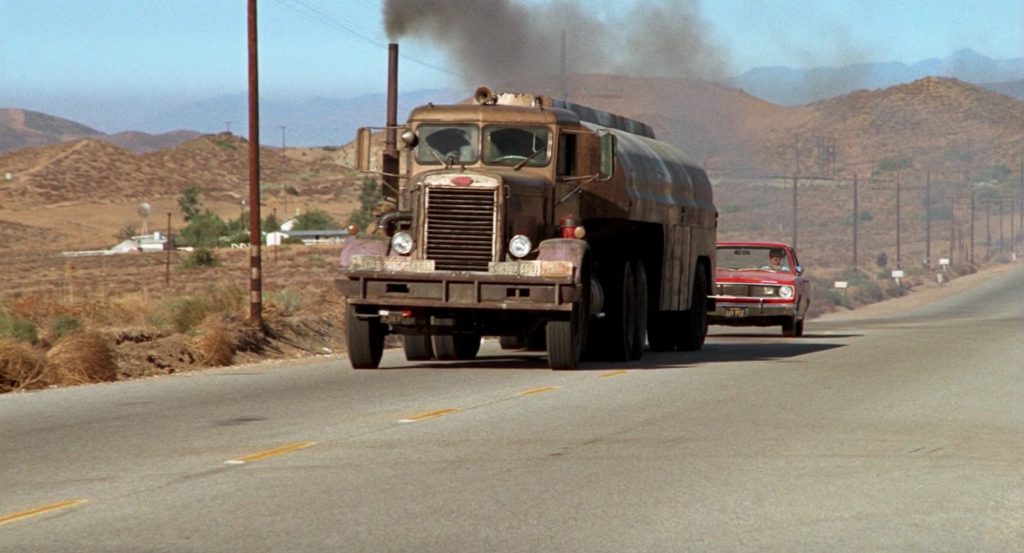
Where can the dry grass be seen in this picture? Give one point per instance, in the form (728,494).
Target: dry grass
(21,366)
(217,339)
(81,357)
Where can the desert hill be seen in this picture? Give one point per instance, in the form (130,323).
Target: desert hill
(78,194)
(937,123)
(934,122)
(22,128)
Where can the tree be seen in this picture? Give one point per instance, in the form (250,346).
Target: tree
(189,203)
(314,219)
(369,197)
(203,231)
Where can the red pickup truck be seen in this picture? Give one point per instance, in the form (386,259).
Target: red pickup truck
(760,284)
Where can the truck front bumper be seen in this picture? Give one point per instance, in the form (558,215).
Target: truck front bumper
(459,290)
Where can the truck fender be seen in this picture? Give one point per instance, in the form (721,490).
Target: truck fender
(564,249)
(362,245)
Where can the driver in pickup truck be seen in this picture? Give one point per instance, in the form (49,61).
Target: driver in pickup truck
(776,260)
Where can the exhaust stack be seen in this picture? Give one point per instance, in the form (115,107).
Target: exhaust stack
(389,163)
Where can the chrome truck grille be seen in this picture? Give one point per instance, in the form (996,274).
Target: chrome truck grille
(460,232)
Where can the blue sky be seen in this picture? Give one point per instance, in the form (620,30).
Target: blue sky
(191,49)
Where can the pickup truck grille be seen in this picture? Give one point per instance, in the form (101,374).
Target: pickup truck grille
(460,233)
(747,290)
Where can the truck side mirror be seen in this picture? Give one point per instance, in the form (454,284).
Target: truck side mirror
(363,149)
(607,156)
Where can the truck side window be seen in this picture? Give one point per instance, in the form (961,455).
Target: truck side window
(566,155)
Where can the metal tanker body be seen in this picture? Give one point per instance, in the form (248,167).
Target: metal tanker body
(554,226)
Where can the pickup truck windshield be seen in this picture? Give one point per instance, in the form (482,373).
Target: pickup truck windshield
(516,146)
(447,144)
(760,259)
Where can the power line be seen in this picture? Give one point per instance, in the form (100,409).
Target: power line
(304,9)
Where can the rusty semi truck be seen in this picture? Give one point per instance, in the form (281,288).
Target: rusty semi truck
(549,224)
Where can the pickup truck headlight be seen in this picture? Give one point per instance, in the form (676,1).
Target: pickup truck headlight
(519,246)
(786,292)
(402,243)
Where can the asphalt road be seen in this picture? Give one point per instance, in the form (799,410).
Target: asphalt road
(895,434)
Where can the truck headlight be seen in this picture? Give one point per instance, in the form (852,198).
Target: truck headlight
(519,246)
(402,242)
(786,292)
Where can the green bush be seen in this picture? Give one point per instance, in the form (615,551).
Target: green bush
(287,301)
(183,313)
(63,324)
(17,328)
(199,258)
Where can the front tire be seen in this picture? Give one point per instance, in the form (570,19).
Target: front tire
(566,339)
(365,340)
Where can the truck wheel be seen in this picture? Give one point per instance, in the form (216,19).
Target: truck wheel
(365,340)
(417,347)
(636,350)
(695,320)
(616,331)
(661,331)
(511,342)
(456,347)
(566,338)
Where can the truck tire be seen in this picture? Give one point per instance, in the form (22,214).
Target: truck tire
(511,342)
(640,298)
(456,347)
(662,329)
(365,340)
(417,347)
(565,339)
(695,320)
(613,335)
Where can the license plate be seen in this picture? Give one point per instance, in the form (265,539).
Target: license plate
(735,311)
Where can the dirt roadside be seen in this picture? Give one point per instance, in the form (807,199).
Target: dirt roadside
(924,295)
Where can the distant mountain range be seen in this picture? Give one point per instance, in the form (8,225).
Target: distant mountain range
(793,87)
(332,122)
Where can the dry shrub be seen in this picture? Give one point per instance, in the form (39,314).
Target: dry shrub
(184,313)
(217,339)
(81,357)
(21,366)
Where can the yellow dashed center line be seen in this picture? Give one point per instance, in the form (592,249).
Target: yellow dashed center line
(4,519)
(534,391)
(430,415)
(611,374)
(270,453)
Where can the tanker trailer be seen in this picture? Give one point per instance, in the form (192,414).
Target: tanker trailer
(551,225)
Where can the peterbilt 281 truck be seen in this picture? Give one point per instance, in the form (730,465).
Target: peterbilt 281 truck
(551,225)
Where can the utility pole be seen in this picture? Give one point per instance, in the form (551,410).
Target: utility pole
(928,220)
(898,264)
(988,230)
(228,125)
(1001,225)
(796,174)
(952,222)
(255,278)
(282,137)
(856,220)
(971,190)
(564,70)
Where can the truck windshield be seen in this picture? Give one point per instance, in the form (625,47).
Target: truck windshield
(516,146)
(447,144)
